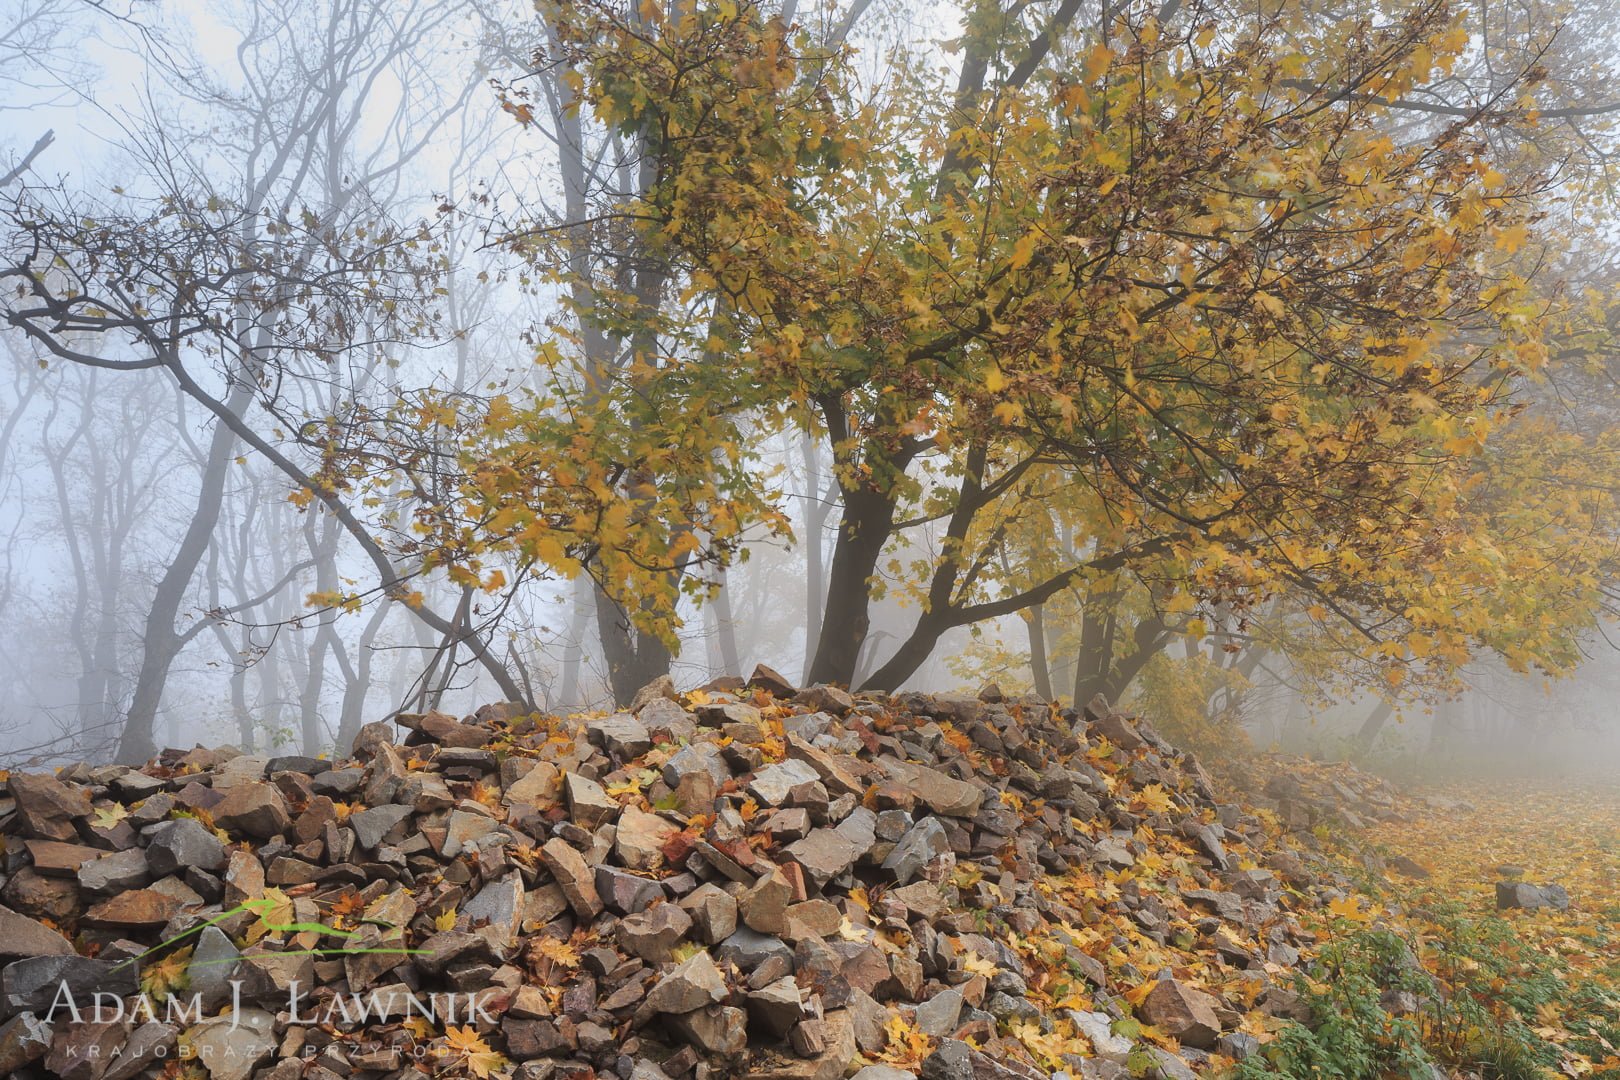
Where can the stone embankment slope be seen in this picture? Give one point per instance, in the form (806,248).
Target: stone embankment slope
(768,883)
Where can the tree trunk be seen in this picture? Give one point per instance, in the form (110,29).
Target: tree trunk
(863,529)
(634,659)
(1372,727)
(1096,656)
(160,643)
(1036,624)
(816,509)
(725,628)
(568,695)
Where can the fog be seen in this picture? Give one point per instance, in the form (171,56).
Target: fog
(327,200)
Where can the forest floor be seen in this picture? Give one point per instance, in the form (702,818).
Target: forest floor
(1558,972)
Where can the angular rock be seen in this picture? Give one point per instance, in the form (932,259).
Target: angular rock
(1181,1012)
(922,843)
(772,784)
(211,968)
(588,804)
(718,1029)
(255,809)
(177,845)
(824,855)
(690,985)
(713,912)
(654,933)
(763,907)
(137,908)
(53,858)
(370,826)
(151,1044)
(575,879)
(621,735)
(24,1039)
(1518,894)
(32,983)
(640,839)
(942,794)
(937,1017)
(21,936)
(232,1047)
(748,949)
(625,894)
(463,830)
(46,807)
(114,873)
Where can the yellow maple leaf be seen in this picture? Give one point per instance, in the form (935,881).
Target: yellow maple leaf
(161,978)
(1349,907)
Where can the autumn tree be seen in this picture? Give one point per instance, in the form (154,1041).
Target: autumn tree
(1162,268)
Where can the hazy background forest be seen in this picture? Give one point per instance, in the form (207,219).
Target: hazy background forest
(376,210)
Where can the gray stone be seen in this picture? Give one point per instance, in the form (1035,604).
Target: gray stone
(370,826)
(1098,1028)
(772,784)
(500,905)
(1518,894)
(588,804)
(718,1029)
(713,911)
(23,1039)
(823,855)
(748,948)
(654,933)
(174,846)
(625,894)
(150,1044)
(922,843)
(213,965)
(942,794)
(688,986)
(231,1047)
(32,984)
(938,1015)
(620,734)
(699,757)
(114,873)
(777,1006)
(883,1072)
(951,1060)
(464,829)
(21,936)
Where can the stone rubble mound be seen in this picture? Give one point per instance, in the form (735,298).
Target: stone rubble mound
(751,881)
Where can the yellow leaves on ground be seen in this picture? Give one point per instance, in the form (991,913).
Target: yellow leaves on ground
(165,976)
(1352,909)
(475,1053)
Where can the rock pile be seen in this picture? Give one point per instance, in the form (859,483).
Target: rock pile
(754,881)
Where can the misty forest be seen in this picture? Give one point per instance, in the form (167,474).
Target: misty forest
(792,539)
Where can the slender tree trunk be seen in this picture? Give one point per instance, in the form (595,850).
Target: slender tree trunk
(815,519)
(725,628)
(357,681)
(568,695)
(1036,625)
(1372,727)
(160,643)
